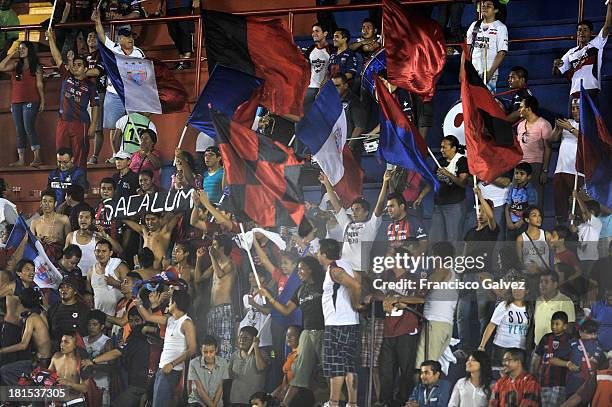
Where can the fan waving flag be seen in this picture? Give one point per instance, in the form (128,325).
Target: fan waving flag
(225,90)
(594,154)
(416,52)
(261,47)
(45,273)
(262,175)
(323,129)
(144,85)
(491,147)
(400,142)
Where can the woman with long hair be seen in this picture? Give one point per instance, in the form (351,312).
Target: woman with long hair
(473,390)
(308,299)
(27,98)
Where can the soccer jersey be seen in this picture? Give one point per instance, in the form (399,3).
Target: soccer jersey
(579,349)
(553,346)
(523,391)
(583,65)
(409,226)
(487,40)
(75,95)
(343,62)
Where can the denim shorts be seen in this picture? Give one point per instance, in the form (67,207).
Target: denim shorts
(113,110)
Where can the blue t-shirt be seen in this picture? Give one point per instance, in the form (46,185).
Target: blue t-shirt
(577,357)
(519,199)
(212,185)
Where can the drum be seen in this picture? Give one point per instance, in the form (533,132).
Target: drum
(453,122)
(376,64)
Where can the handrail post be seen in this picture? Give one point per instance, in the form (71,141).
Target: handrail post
(198,53)
(290,19)
(580,10)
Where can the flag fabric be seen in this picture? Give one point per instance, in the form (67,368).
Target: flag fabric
(45,273)
(491,147)
(323,130)
(416,52)
(594,153)
(144,85)
(400,142)
(350,186)
(225,90)
(263,175)
(245,240)
(291,286)
(261,47)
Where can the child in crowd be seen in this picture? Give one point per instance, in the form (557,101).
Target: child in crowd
(206,376)
(532,245)
(549,362)
(585,356)
(559,237)
(521,194)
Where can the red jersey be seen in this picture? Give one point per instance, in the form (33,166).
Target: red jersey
(523,391)
(74,96)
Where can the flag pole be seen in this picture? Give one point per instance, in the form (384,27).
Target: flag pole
(180,141)
(434,157)
(52,13)
(476,199)
(574,198)
(242,236)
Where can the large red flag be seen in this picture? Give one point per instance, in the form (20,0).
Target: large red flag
(262,47)
(262,175)
(415,49)
(350,185)
(491,148)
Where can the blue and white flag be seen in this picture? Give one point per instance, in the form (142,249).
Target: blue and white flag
(144,85)
(45,273)
(323,129)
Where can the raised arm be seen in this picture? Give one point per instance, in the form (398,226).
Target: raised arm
(217,214)
(95,17)
(605,30)
(486,208)
(265,260)
(55,52)
(333,197)
(7,64)
(148,316)
(382,196)
(135,226)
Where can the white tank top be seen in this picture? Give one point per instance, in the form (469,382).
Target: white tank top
(88,258)
(96,349)
(530,255)
(106,296)
(174,342)
(440,304)
(336,300)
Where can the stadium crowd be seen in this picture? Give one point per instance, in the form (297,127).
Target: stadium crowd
(184,307)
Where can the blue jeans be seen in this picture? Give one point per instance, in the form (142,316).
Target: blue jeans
(474,311)
(447,222)
(163,389)
(24,117)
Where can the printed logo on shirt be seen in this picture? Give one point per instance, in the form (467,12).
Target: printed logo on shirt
(318,65)
(137,73)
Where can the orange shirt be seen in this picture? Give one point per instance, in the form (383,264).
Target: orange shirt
(287,366)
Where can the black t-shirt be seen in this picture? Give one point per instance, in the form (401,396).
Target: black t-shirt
(126,185)
(67,318)
(94,61)
(308,298)
(481,243)
(135,354)
(451,193)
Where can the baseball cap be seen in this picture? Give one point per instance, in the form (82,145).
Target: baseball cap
(213,149)
(126,32)
(71,282)
(122,155)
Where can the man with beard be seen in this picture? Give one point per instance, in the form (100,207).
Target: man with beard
(516,387)
(155,236)
(35,335)
(69,314)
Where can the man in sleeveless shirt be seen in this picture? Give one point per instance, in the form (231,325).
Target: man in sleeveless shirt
(341,292)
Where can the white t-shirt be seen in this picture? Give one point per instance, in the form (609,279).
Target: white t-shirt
(496,194)
(491,37)
(336,301)
(566,162)
(512,323)
(319,59)
(116,48)
(588,235)
(584,64)
(357,237)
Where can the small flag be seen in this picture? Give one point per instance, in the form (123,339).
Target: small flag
(45,273)
(144,85)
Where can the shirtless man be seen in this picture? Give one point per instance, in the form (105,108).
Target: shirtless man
(156,237)
(220,319)
(180,259)
(35,334)
(51,228)
(105,278)
(66,364)
(143,264)
(24,270)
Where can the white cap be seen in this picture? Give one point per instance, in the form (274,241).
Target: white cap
(122,155)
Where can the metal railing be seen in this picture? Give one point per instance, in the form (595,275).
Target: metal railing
(290,13)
